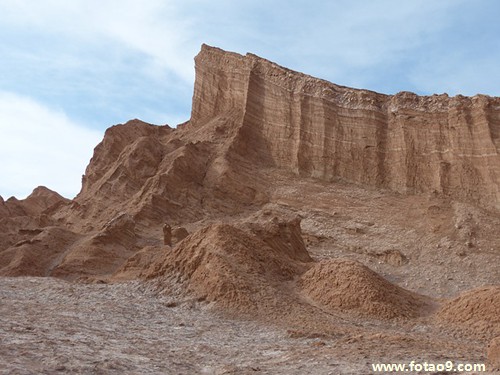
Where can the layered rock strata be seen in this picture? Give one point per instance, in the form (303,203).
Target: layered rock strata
(403,142)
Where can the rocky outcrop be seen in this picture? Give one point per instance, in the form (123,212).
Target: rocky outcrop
(249,114)
(22,219)
(59,252)
(38,254)
(213,211)
(158,174)
(36,203)
(251,121)
(243,266)
(404,142)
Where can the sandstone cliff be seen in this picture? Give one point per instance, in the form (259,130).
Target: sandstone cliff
(291,200)
(251,122)
(404,142)
(249,115)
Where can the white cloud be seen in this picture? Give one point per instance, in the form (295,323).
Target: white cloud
(342,40)
(150,27)
(350,41)
(41,146)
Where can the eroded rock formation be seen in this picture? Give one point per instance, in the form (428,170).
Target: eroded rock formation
(271,157)
(404,142)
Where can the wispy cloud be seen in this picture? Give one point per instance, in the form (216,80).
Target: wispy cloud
(150,27)
(367,44)
(104,62)
(41,146)
(349,41)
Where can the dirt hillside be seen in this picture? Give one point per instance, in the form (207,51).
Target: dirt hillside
(333,213)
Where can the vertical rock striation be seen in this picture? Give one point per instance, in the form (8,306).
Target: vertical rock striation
(314,128)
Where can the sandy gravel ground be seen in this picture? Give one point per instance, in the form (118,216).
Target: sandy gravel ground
(50,326)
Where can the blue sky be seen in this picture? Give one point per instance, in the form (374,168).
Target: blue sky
(70,69)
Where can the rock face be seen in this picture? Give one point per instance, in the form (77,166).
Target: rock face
(250,116)
(38,201)
(215,211)
(249,113)
(23,220)
(404,142)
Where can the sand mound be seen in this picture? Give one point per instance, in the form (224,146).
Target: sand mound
(476,312)
(494,353)
(136,267)
(348,285)
(233,267)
